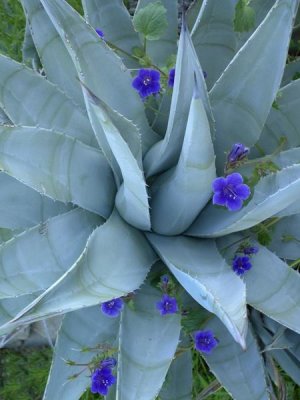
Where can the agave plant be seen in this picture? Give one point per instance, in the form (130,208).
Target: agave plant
(170,198)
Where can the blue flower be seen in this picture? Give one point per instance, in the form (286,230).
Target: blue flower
(241,264)
(171,77)
(102,379)
(250,250)
(147,82)
(167,305)
(164,279)
(237,153)
(108,362)
(230,191)
(113,307)
(100,33)
(205,341)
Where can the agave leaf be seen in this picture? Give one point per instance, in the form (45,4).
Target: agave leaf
(291,72)
(239,105)
(160,50)
(284,358)
(201,270)
(142,369)
(79,330)
(36,258)
(132,197)
(214,37)
(4,120)
(113,19)
(58,166)
(283,120)
(100,273)
(193,13)
(98,66)
(272,194)
(286,238)
(26,209)
(241,372)
(179,380)
(30,99)
(29,52)
(180,193)
(165,153)
(280,297)
(56,61)
(9,308)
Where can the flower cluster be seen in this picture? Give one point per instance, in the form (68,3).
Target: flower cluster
(102,377)
(242,263)
(168,304)
(230,191)
(205,341)
(113,307)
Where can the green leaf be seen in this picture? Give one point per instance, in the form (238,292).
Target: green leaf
(22,207)
(100,273)
(151,21)
(87,328)
(241,372)
(165,153)
(58,166)
(98,66)
(272,194)
(132,197)
(114,20)
(43,248)
(179,194)
(274,289)
(213,34)
(179,381)
(142,369)
(30,99)
(204,274)
(55,59)
(244,19)
(160,50)
(239,105)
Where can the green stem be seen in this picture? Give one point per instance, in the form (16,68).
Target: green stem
(296,262)
(114,47)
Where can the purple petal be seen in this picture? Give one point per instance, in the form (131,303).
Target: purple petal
(234,204)
(243,191)
(219,184)
(155,75)
(155,87)
(219,199)
(234,179)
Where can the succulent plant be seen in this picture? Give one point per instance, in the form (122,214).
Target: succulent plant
(168,195)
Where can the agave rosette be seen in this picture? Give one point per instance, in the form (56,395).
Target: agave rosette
(100,196)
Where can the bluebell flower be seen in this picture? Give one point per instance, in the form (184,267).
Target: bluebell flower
(171,77)
(241,264)
(102,379)
(147,82)
(230,191)
(237,153)
(205,341)
(113,307)
(100,33)
(250,250)
(167,305)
